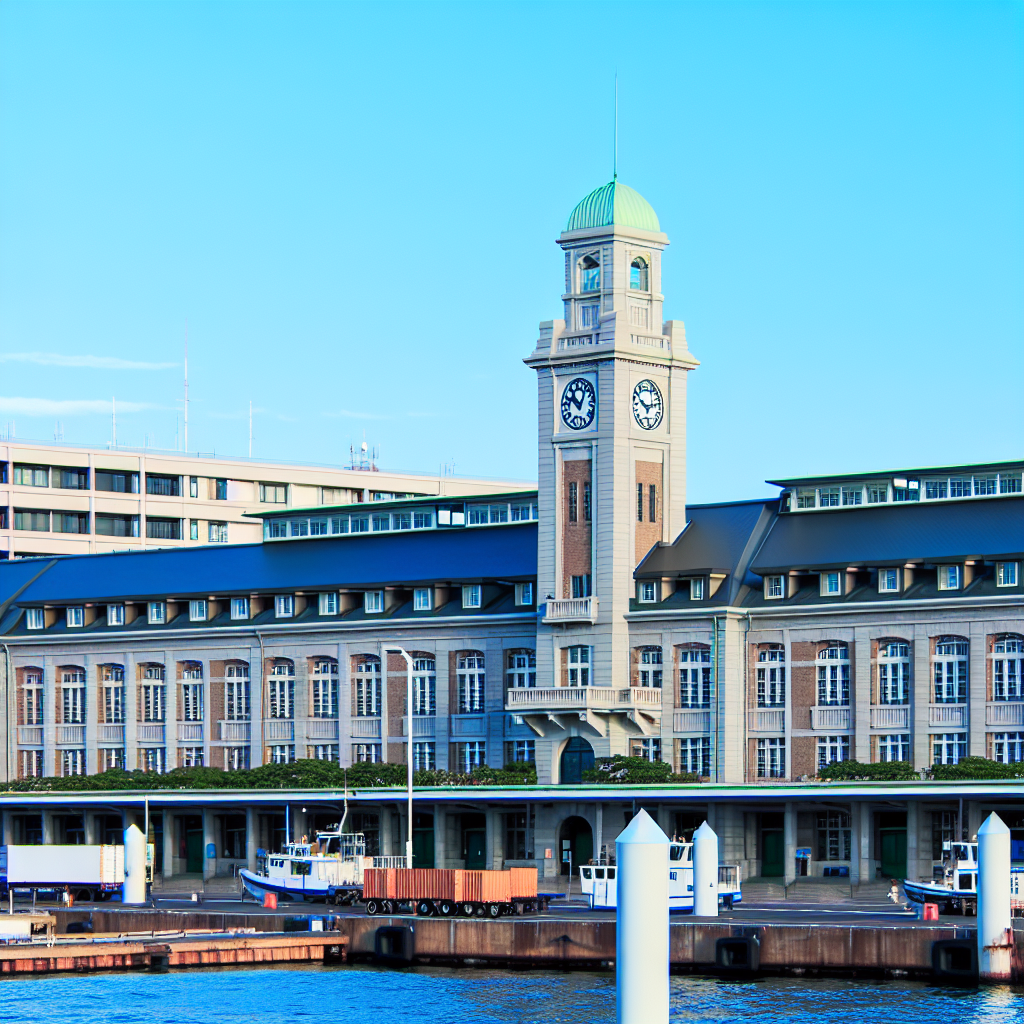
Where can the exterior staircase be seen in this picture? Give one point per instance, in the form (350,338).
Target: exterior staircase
(819,890)
(763,890)
(188,884)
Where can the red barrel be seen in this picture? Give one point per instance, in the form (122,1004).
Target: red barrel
(270,901)
(931,912)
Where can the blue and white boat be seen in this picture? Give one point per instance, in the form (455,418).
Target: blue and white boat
(600,884)
(329,868)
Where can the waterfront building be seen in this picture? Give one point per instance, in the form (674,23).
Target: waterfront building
(874,616)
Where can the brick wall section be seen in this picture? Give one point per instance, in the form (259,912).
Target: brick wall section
(647,532)
(215,696)
(577,541)
(395,684)
(804,757)
(803,685)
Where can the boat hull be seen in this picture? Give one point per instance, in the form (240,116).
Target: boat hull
(305,887)
(945,898)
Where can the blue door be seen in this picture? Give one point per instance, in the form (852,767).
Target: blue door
(577,758)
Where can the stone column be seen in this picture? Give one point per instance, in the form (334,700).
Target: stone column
(8,827)
(209,836)
(493,843)
(913,867)
(89,827)
(440,836)
(48,829)
(855,843)
(789,842)
(251,837)
(864,838)
(169,844)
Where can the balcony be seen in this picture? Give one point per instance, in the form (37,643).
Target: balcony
(322,729)
(831,718)
(30,735)
(366,728)
(692,721)
(1004,713)
(571,609)
(767,720)
(422,726)
(235,732)
(70,735)
(585,703)
(891,716)
(190,732)
(150,733)
(948,716)
(279,730)
(112,734)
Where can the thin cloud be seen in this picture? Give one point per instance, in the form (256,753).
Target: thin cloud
(347,414)
(81,362)
(69,407)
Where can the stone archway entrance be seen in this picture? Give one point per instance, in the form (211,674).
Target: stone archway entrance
(575,843)
(577,757)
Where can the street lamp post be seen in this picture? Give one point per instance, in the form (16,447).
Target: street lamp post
(408,747)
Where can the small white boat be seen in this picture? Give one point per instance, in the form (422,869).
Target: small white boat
(329,868)
(957,890)
(600,884)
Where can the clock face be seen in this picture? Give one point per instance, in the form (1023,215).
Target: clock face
(648,405)
(579,403)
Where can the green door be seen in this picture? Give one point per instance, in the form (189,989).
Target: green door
(584,849)
(194,853)
(423,847)
(894,853)
(773,854)
(476,850)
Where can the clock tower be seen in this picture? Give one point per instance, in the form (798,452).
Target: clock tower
(612,470)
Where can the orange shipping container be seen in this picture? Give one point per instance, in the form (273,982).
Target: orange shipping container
(379,884)
(523,882)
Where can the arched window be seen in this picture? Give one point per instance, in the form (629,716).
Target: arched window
(771,677)
(470,667)
(191,675)
(522,669)
(366,685)
(893,672)
(72,693)
(1007,658)
(590,274)
(323,678)
(950,667)
(281,699)
(649,671)
(424,685)
(834,675)
(236,691)
(695,676)
(112,693)
(152,700)
(31,696)
(639,275)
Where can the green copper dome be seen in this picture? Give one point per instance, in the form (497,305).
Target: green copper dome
(614,203)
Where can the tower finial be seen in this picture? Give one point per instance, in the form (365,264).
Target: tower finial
(615,133)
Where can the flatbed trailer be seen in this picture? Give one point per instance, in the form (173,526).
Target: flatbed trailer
(452,892)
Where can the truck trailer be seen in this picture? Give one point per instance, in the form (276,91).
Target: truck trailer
(88,872)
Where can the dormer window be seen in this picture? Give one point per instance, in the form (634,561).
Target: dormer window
(35,618)
(888,581)
(239,608)
(648,592)
(697,589)
(949,577)
(284,606)
(115,614)
(590,274)
(773,589)
(156,613)
(75,616)
(197,611)
(831,584)
(639,275)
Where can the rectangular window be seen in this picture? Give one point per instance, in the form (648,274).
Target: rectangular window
(193,487)
(828,497)
(639,503)
(75,616)
(72,479)
(197,611)
(35,618)
(695,756)
(949,577)
(648,591)
(524,513)
(695,677)
(373,601)
(328,603)
(323,752)
(115,614)
(830,584)
(888,581)
(524,593)
(771,758)
(168,486)
(111,757)
(32,476)
(72,696)
(359,524)
(218,533)
(573,502)
(834,833)
(422,520)
(652,503)
(949,748)
(31,764)
(806,498)
(1007,666)
(894,674)
(422,599)
(521,751)
(1009,484)
(1008,747)
(274,494)
(878,493)
(191,757)
(191,702)
(402,520)
(984,485)
(424,756)
(70,522)
(220,490)
(934,489)
(1006,574)
(33,703)
(832,749)
(369,752)
(471,596)
(579,666)
(960,487)
(25,519)
(236,693)
(894,747)
(284,606)
(300,528)
(470,755)
(165,529)
(193,529)
(116,526)
(381,522)
(281,693)
(239,607)
(72,762)
(236,758)
(697,590)
(587,502)
(282,753)
(773,588)
(581,585)
(852,495)
(648,749)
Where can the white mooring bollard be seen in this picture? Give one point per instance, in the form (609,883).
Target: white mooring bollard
(705,872)
(995,928)
(133,888)
(641,923)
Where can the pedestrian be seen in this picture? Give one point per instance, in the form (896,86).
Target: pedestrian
(894,892)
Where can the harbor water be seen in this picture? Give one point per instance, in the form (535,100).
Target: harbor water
(309,994)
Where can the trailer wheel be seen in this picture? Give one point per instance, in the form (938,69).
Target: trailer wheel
(372,907)
(424,908)
(466,909)
(446,908)
(479,909)
(83,895)
(493,910)
(387,907)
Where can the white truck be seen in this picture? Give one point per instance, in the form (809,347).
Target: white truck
(88,872)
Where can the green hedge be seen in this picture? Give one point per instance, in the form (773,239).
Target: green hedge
(883,771)
(976,768)
(632,771)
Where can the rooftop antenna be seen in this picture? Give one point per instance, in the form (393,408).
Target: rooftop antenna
(186,385)
(615,133)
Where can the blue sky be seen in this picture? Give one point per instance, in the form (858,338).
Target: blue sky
(353,208)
